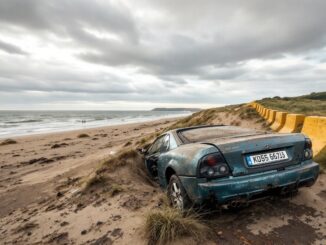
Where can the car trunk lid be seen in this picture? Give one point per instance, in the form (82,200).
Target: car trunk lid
(237,149)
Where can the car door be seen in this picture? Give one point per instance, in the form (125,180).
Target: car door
(160,146)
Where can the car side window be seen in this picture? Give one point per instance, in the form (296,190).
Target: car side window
(160,145)
(165,144)
(173,143)
(156,145)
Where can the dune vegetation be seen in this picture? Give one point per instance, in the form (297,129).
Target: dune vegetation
(309,105)
(168,225)
(8,142)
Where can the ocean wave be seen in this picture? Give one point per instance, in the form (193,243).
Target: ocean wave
(24,121)
(8,126)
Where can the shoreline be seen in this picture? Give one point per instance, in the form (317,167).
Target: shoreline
(76,130)
(40,172)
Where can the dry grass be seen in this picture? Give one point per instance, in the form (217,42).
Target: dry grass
(146,141)
(168,225)
(235,123)
(101,181)
(124,157)
(83,135)
(94,179)
(115,189)
(8,142)
(246,113)
(127,144)
(215,115)
(127,157)
(309,107)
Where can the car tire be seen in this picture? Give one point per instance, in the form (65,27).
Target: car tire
(177,194)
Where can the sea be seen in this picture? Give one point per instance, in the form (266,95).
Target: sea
(17,123)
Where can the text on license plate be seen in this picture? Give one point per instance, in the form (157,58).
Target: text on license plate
(266,158)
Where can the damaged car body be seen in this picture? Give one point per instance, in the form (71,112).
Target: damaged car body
(229,165)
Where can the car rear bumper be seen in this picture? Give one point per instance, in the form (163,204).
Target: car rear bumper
(249,187)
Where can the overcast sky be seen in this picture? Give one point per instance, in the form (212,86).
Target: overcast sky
(82,54)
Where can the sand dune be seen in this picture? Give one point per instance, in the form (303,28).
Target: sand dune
(43,199)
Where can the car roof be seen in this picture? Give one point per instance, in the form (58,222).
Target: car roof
(206,132)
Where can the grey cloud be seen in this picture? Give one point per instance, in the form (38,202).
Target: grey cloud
(223,73)
(232,32)
(194,52)
(11,49)
(61,17)
(265,30)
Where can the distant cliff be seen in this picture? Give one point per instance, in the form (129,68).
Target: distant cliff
(176,109)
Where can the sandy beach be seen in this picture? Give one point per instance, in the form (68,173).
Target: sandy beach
(34,168)
(41,198)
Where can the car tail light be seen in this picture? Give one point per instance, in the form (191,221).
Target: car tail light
(308,153)
(212,166)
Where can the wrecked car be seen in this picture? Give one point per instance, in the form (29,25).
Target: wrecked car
(229,165)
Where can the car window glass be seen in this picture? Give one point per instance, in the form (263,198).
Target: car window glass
(155,146)
(173,143)
(165,144)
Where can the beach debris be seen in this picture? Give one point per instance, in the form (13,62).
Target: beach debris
(58,145)
(75,191)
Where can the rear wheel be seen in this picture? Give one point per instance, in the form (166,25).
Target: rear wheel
(177,194)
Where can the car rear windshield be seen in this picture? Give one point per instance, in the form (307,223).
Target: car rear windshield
(215,132)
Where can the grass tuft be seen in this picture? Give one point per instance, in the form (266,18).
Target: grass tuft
(8,142)
(123,158)
(127,143)
(83,135)
(235,123)
(115,189)
(168,225)
(94,180)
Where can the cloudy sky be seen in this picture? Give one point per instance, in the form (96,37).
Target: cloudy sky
(82,54)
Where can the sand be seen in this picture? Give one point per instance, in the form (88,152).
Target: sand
(41,202)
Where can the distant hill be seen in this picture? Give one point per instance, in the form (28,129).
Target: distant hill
(177,109)
(313,104)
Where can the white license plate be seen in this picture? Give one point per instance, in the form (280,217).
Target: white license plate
(266,158)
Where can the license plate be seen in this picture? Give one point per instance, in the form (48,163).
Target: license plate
(270,157)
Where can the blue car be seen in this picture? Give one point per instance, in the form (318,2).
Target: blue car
(229,165)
